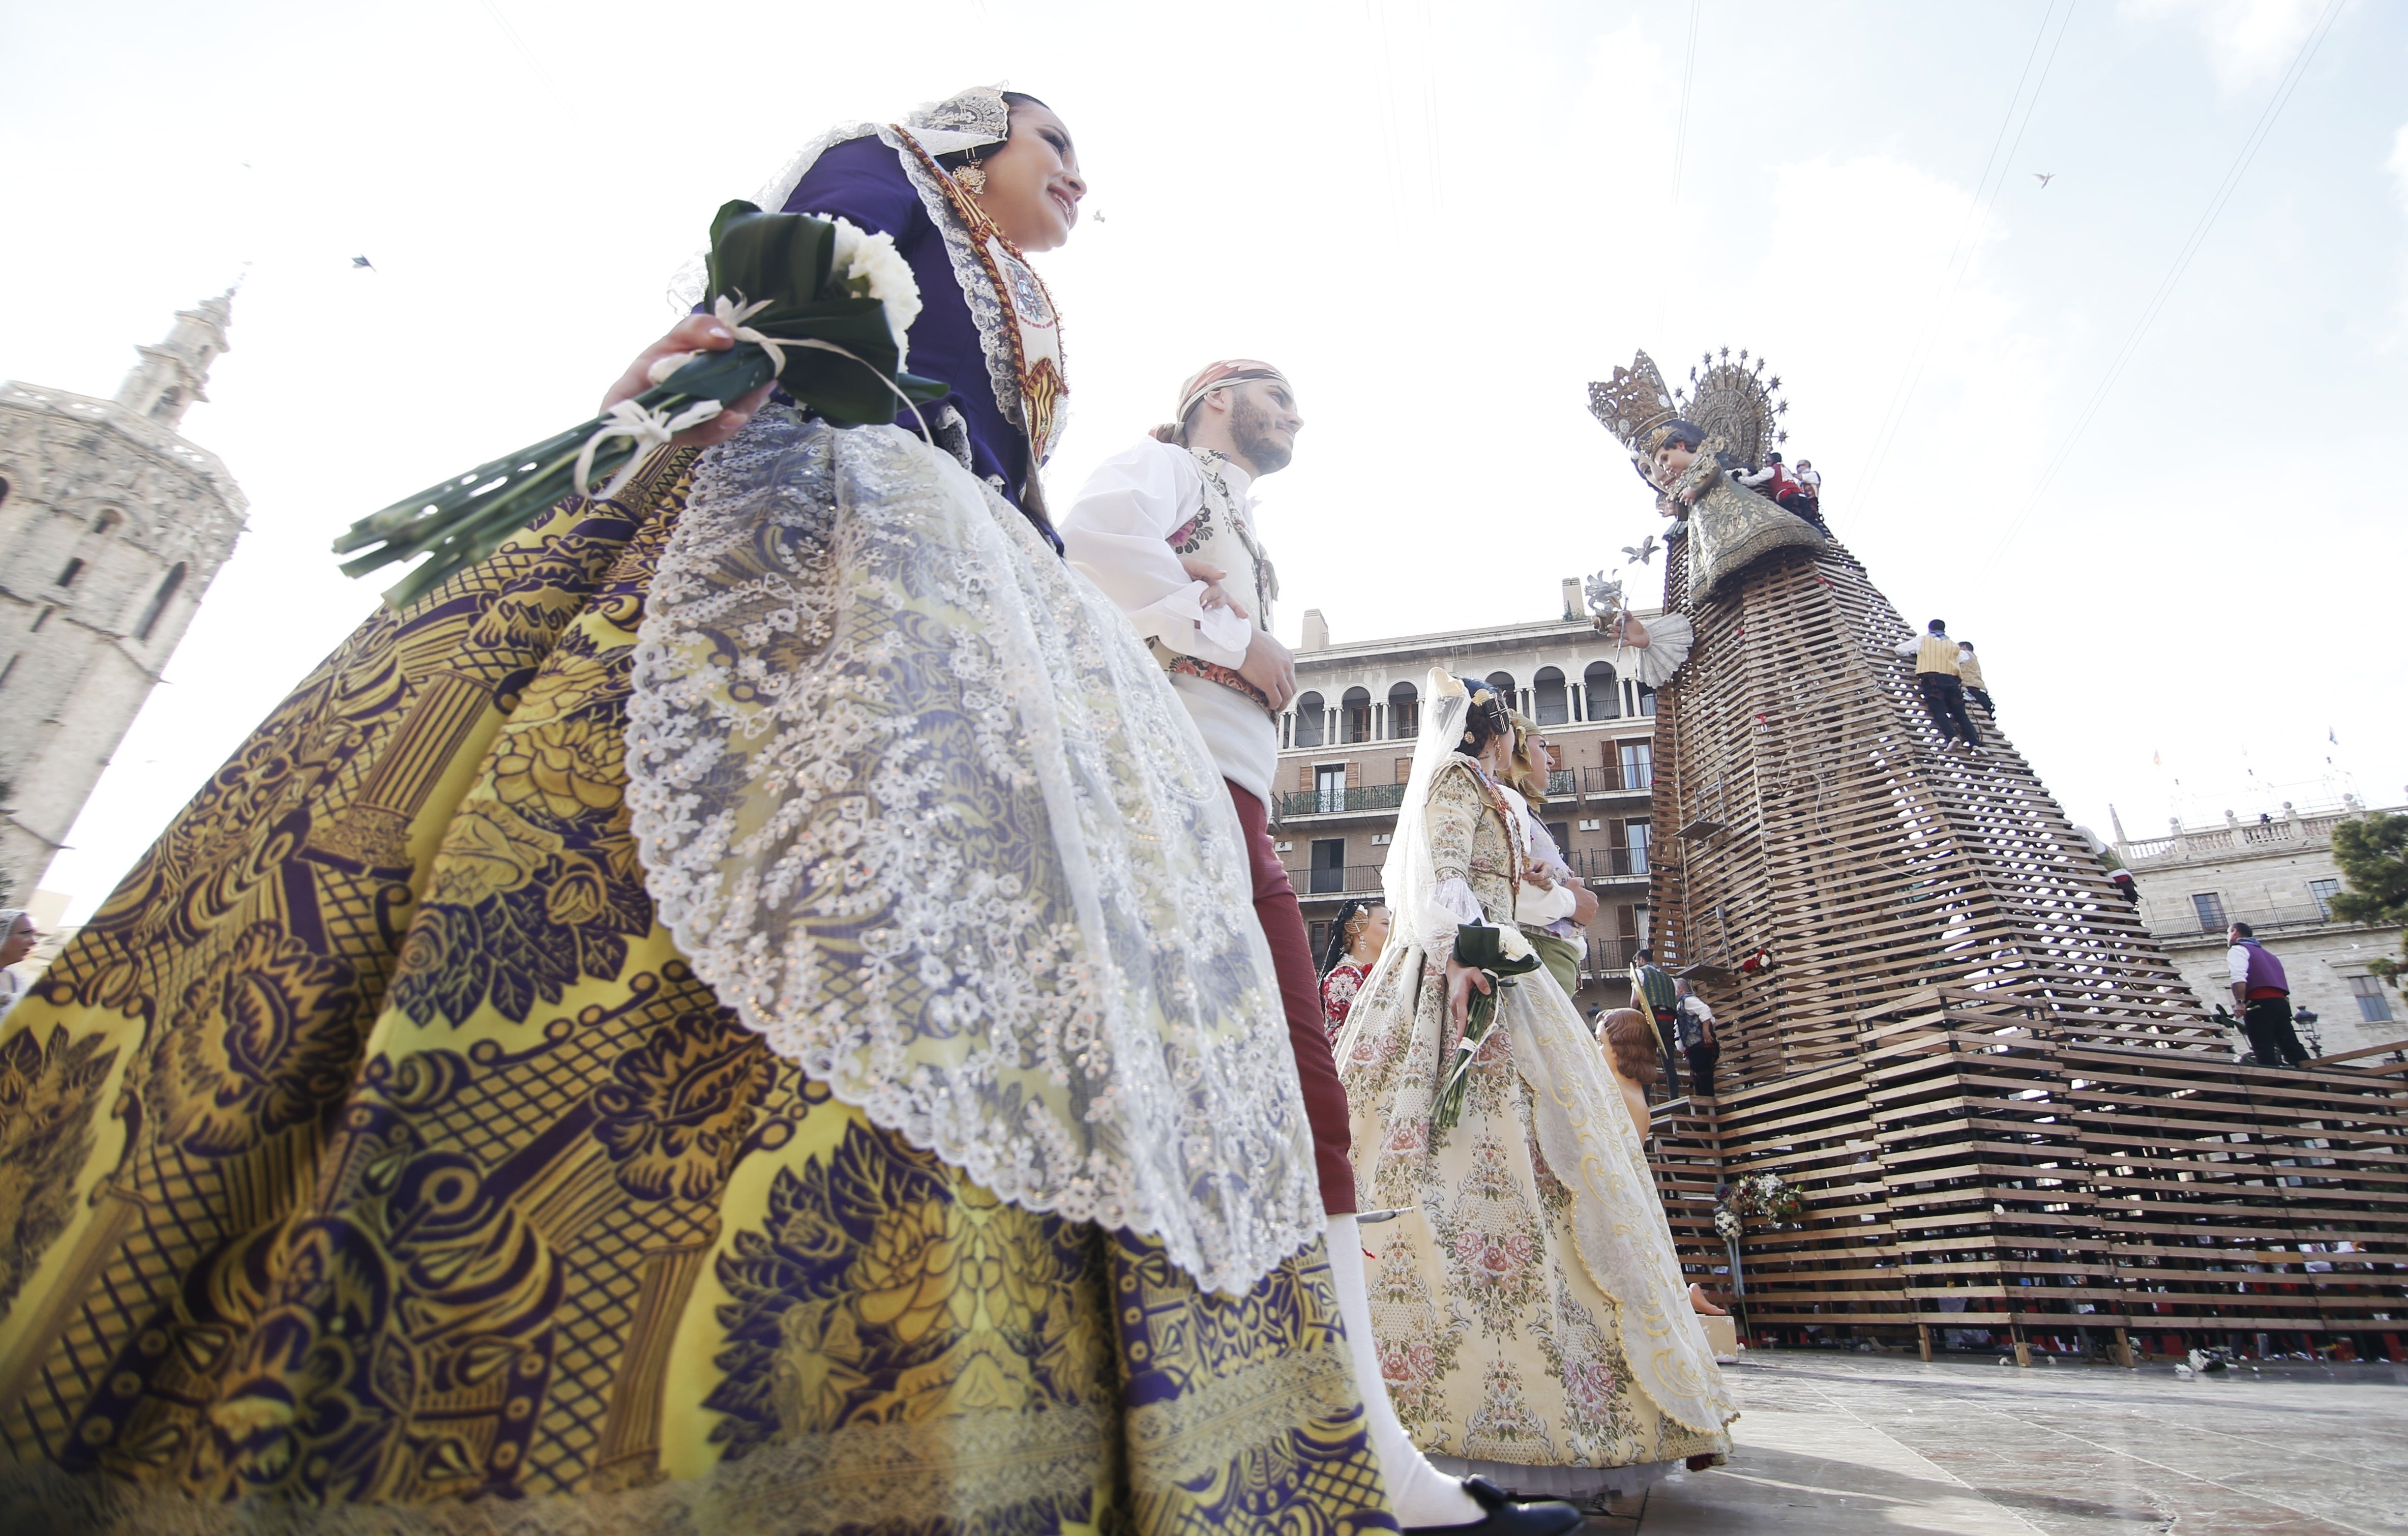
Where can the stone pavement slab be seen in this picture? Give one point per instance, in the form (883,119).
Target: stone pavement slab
(1878,1443)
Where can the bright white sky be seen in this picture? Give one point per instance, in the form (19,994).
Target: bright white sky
(1443,220)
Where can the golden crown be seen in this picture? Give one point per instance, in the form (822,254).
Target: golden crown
(1735,403)
(1633,403)
(1731,402)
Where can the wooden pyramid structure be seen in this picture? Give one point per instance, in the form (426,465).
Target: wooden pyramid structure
(2013,1123)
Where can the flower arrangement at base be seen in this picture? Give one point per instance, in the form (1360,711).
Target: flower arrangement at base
(1759,1198)
(1500,953)
(818,305)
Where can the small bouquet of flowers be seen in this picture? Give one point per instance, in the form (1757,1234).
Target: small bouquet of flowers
(816,304)
(1759,1197)
(1501,953)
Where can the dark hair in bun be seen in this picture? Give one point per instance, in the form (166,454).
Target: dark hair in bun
(1488,719)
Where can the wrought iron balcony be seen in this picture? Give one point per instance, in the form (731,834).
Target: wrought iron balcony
(1611,780)
(1339,803)
(1609,863)
(1354,879)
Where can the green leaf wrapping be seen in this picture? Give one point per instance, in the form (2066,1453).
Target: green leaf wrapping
(784,258)
(1479,946)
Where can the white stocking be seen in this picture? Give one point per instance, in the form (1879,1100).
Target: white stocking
(1423,1495)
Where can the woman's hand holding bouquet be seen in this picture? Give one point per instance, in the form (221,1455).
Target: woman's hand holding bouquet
(812,304)
(1485,958)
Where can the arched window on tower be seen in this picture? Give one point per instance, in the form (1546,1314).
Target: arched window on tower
(1549,698)
(157,608)
(1355,715)
(4,491)
(165,406)
(1404,712)
(1603,690)
(108,520)
(1308,710)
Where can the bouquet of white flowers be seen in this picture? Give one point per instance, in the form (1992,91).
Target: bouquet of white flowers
(816,304)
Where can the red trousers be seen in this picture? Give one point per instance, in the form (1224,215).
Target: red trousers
(1308,1033)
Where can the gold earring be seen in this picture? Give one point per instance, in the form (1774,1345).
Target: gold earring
(972,177)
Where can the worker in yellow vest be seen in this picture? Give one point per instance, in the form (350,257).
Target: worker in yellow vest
(1934,655)
(1968,675)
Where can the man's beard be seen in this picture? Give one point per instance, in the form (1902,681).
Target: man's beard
(1250,429)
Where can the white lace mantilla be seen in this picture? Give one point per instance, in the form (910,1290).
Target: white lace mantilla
(918,804)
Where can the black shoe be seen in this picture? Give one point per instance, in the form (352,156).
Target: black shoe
(1505,1517)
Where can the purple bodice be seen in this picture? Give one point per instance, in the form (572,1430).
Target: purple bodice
(862,180)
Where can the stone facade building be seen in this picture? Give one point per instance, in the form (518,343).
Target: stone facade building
(1347,747)
(111,528)
(2275,873)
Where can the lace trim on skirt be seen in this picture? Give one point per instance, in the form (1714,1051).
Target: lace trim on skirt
(920,806)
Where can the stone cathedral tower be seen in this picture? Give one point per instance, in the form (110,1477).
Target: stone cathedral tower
(111,528)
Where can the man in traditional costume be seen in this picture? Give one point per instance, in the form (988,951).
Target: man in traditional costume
(1168,529)
(1532,1317)
(738,1014)
(2263,994)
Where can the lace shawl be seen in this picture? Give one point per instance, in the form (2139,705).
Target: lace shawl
(920,806)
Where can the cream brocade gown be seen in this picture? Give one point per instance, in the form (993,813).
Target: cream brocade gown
(1498,1343)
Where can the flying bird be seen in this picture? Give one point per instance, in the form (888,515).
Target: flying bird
(2044,178)
(1642,552)
(360,262)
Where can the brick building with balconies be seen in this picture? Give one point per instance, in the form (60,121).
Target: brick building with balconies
(1346,749)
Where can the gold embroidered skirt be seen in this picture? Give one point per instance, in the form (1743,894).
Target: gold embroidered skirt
(377,1164)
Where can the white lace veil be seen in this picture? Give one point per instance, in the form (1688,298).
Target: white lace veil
(1410,879)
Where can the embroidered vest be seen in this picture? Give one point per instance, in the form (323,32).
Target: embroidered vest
(2265,971)
(1220,533)
(1969,669)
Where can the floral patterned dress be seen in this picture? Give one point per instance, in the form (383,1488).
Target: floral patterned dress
(1337,990)
(1503,1354)
(374,1144)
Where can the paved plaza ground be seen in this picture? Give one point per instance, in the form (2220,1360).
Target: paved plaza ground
(1836,1444)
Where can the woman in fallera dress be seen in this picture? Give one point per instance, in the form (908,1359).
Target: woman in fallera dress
(1532,1319)
(1356,936)
(703,1023)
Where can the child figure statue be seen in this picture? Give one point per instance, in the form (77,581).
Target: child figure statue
(1729,526)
